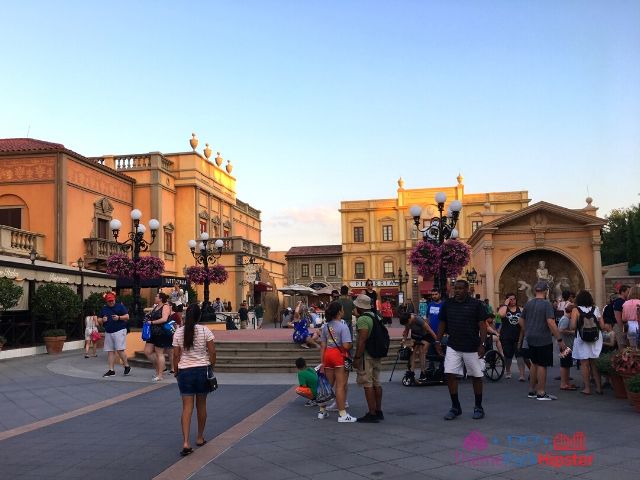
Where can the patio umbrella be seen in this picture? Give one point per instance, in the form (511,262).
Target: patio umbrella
(296,289)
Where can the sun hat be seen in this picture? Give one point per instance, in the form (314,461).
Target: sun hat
(363,301)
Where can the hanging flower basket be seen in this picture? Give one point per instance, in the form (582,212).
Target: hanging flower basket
(150,267)
(425,256)
(198,275)
(121,265)
(454,255)
(218,274)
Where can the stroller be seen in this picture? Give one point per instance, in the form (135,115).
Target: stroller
(435,368)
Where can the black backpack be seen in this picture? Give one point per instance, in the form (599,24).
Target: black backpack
(378,341)
(588,326)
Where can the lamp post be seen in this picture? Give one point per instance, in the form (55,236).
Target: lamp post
(440,229)
(33,255)
(206,257)
(402,280)
(472,278)
(136,244)
(80,264)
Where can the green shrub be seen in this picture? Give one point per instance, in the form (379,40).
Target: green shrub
(10,294)
(58,305)
(633,384)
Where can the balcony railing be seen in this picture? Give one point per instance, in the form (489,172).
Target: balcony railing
(14,241)
(241,245)
(100,248)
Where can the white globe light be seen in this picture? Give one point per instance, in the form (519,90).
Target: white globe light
(115,224)
(154,224)
(219,244)
(454,233)
(141,228)
(204,236)
(456,206)
(201,245)
(441,197)
(415,211)
(136,214)
(449,212)
(192,244)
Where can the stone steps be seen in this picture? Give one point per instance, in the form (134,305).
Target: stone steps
(266,357)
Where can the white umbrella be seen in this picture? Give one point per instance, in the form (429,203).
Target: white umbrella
(296,289)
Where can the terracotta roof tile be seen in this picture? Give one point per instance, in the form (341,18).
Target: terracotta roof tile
(27,145)
(315,250)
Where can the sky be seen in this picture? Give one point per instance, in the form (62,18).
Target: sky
(316,102)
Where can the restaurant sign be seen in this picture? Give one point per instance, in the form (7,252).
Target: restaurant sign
(376,283)
(8,273)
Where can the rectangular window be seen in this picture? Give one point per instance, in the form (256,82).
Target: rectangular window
(317,269)
(203,226)
(225,233)
(475,225)
(358,234)
(332,269)
(388,269)
(11,217)
(168,241)
(387,233)
(304,270)
(359,270)
(103,228)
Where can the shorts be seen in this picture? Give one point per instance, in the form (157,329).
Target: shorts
(193,381)
(305,392)
(566,362)
(333,358)
(422,338)
(541,356)
(621,337)
(162,340)
(453,362)
(370,376)
(509,347)
(116,341)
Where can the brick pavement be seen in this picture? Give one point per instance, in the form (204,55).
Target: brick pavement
(140,437)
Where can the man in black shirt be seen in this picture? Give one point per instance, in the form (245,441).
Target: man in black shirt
(464,319)
(618,328)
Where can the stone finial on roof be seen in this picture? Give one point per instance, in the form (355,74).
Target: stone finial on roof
(400,183)
(229,167)
(207,151)
(460,178)
(219,159)
(589,201)
(194,141)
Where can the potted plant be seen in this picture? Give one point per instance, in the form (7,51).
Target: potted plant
(59,306)
(633,391)
(626,363)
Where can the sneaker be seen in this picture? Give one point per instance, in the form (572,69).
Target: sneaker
(368,418)
(532,395)
(478,413)
(508,375)
(310,403)
(127,370)
(323,415)
(453,413)
(380,415)
(423,376)
(110,373)
(346,418)
(86,356)
(546,396)
(156,378)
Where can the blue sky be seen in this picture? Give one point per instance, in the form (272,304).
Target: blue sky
(316,102)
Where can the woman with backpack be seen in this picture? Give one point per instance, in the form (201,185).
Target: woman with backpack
(587,323)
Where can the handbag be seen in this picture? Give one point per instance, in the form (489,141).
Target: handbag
(324,392)
(170,327)
(348,362)
(146,331)
(95,336)
(211,379)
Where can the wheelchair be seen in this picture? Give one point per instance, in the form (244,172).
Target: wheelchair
(493,361)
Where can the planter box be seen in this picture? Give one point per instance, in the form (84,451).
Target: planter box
(619,388)
(54,344)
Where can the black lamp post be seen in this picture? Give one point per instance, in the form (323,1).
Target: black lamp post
(440,229)
(136,244)
(80,264)
(206,257)
(402,279)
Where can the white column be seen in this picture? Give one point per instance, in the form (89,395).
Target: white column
(490,279)
(597,273)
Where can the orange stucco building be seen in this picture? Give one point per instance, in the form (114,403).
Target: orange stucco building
(60,203)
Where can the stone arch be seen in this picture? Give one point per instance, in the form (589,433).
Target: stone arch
(567,273)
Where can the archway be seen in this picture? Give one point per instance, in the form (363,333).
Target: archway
(521,273)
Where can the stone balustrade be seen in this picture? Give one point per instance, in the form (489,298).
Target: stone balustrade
(100,248)
(14,241)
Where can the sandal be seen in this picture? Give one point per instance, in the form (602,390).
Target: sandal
(201,444)
(186,451)
(585,393)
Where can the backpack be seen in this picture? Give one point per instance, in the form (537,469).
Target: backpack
(588,326)
(378,341)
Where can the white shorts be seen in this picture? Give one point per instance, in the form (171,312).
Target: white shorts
(453,362)
(116,341)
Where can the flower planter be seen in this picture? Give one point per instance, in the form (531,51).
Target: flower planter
(617,383)
(54,344)
(634,399)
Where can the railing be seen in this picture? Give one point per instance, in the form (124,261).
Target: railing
(14,241)
(127,162)
(241,245)
(100,248)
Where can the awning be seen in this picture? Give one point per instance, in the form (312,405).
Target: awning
(262,287)
(388,292)
(426,286)
(356,291)
(42,271)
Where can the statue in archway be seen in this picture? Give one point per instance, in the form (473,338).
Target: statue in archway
(524,286)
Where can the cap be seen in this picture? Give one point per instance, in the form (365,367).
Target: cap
(542,286)
(363,301)
(109,297)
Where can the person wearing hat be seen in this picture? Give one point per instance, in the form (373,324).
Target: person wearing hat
(368,368)
(114,317)
(538,327)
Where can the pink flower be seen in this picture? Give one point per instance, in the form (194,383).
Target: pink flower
(217,274)
(425,256)
(454,255)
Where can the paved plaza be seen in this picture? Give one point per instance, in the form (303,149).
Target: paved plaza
(59,419)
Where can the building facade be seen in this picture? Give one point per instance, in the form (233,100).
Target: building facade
(378,235)
(315,264)
(60,203)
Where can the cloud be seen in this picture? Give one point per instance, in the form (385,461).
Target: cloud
(301,226)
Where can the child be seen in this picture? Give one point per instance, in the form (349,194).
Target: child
(307,382)
(564,325)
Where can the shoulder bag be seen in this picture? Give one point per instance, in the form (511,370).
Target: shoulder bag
(211,377)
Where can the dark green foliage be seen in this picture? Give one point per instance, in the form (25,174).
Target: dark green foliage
(127,301)
(10,294)
(621,237)
(57,304)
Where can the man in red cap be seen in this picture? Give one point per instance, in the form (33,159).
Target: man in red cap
(114,319)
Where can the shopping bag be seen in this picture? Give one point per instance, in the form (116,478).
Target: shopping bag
(146,331)
(95,336)
(325,392)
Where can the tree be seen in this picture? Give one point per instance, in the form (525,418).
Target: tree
(10,294)
(58,305)
(620,237)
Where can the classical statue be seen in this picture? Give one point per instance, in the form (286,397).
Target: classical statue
(542,272)
(528,291)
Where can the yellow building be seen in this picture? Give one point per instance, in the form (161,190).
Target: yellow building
(60,203)
(378,235)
